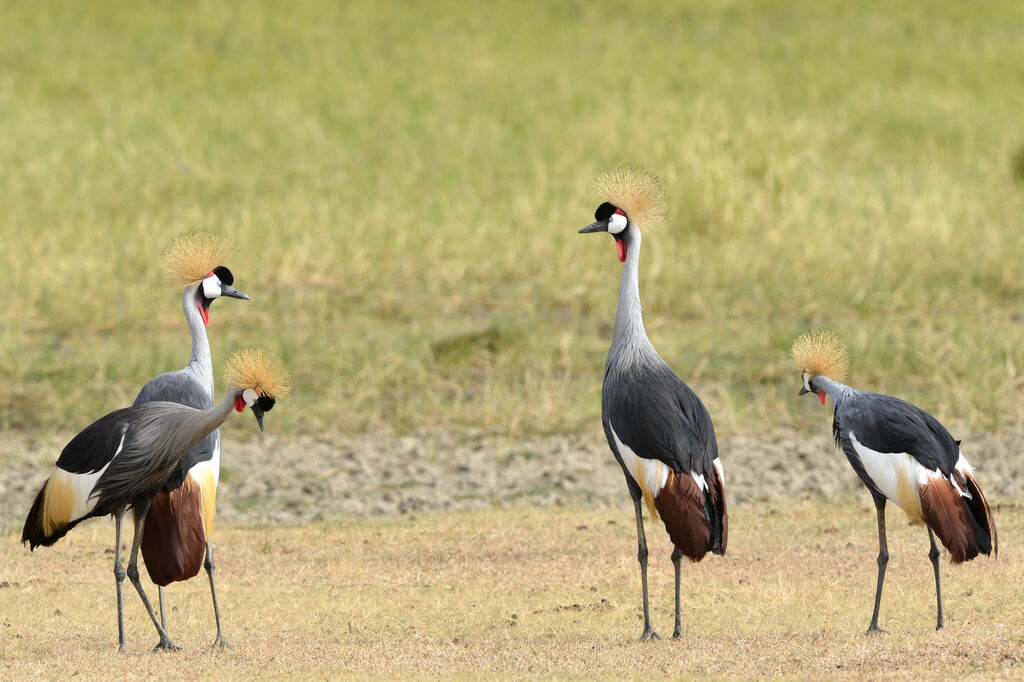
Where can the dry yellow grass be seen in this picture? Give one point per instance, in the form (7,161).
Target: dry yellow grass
(535,593)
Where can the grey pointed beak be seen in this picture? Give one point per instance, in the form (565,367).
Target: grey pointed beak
(802,391)
(259,415)
(228,290)
(599,226)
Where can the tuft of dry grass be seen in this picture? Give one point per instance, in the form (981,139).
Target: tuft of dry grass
(529,593)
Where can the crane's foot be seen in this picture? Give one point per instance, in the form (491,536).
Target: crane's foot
(677,634)
(121,648)
(166,645)
(939,626)
(875,630)
(221,642)
(649,635)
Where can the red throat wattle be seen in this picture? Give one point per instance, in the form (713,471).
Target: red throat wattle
(205,313)
(821,397)
(621,246)
(239,404)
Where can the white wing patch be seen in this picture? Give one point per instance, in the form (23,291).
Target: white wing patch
(209,466)
(897,475)
(717,464)
(207,475)
(964,467)
(650,474)
(81,485)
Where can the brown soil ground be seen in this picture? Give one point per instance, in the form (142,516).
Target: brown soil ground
(295,479)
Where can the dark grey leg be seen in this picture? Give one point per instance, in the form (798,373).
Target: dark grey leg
(677,558)
(119,574)
(933,554)
(210,567)
(133,574)
(641,555)
(160,598)
(883,560)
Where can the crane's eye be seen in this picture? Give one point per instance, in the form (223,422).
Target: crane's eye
(617,223)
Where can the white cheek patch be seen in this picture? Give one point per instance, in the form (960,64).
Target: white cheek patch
(617,223)
(211,287)
(807,383)
(249,396)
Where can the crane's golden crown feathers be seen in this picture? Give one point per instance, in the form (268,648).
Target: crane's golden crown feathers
(194,255)
(636,191)
(821,351)
(258,369)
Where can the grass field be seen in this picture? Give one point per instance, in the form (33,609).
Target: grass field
(405,182)
(530,593)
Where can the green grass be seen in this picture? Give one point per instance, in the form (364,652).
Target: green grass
(405,181)
(528,593)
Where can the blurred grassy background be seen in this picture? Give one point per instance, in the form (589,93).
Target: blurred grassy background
(405,181)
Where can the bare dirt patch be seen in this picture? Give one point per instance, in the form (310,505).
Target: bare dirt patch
(301,478)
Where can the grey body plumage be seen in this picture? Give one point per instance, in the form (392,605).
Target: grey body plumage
(903,454)
(193,386)
(887,424)
(156,437)
(652,419)
(132,451)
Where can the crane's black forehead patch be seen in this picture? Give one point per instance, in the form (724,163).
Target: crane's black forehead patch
(604,211)
(224,274)
(265,403)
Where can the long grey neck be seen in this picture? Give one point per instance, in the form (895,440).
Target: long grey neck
(201,364)
(629,341)
(207,421)
(835,389)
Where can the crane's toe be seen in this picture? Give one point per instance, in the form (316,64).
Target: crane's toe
(221,642)
(649,635)
(166,645)
(875,630)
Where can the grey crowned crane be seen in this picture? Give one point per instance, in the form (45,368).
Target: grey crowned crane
(903,454)
(657,428)
(180,519)
(123,459)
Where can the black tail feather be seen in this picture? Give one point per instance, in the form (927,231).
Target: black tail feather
(980,514)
